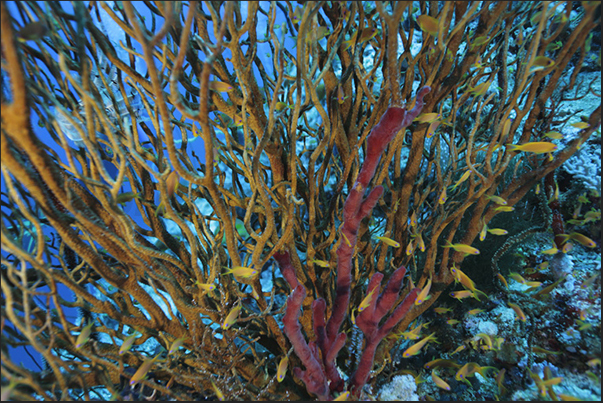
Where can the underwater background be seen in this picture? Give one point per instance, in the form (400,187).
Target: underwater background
(301,200)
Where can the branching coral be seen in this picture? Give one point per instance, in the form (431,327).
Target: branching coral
(227,157)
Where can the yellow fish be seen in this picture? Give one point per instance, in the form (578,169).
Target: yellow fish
(428,24)
(498,231)
(367,300)
(497,199)
(217,391)
(461,247)
(320,263)
(553,135)
(459,349)
(282,369)
(475,311)
(342,397)
(550,251)
(452,322)
(517,277)
(460,277)
(240,271)
(413,219)
(443,197)
(427,117)
(127,343)
(123,198)
(502,280)
(541,63)
(281,105)
(340,94)
(420,243)
(536,147)
(232,317)
(84,336)
(176,345)
(580,125)
(481,88)
(366,35)
(520,315)
(504,208)
(463,294)
(442,310)
(424,294)
(388,241)
(462,179)
(483,232)
(219,86)
(205,287)
(416,348)
(143,370)
(583,239)
(432,128)
(439,381)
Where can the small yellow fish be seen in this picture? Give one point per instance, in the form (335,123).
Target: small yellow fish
(483,232)
(517,277)
(580,125)
(320,263)
(443,197)
(439,381)
(342,397)
(219,86)
(460,277)
(459,349)
(427,117)
(481,88)
(452,322)
(123,198)
(520,315)
(388,241)
(589,281)
(217,391)
(340,94)
(442,310)
(432,128)
(205,287)
(497,199)
(366,35)
(424,294)
(500,377)
(281,105)
(413,219)
(282,369)
(504,208)
(541,63)
(550,251)
(462,179)
(479,41)
(367,300)
(127,344)
(441,362)
(536,147)
(143,370)
(502,280)
(583,239)
(171,183)
(176,345)
(240,271)
(553,135)
(463,294)
(498,231)
(410,248)
(232,317)
(428,24)
(420,243)
(460,247)
(84,336)
(416,348)
(415,333)
(475,311)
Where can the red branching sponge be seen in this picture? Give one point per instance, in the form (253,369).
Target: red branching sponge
(321,376)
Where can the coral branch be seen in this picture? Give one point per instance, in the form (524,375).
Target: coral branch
(321,372)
